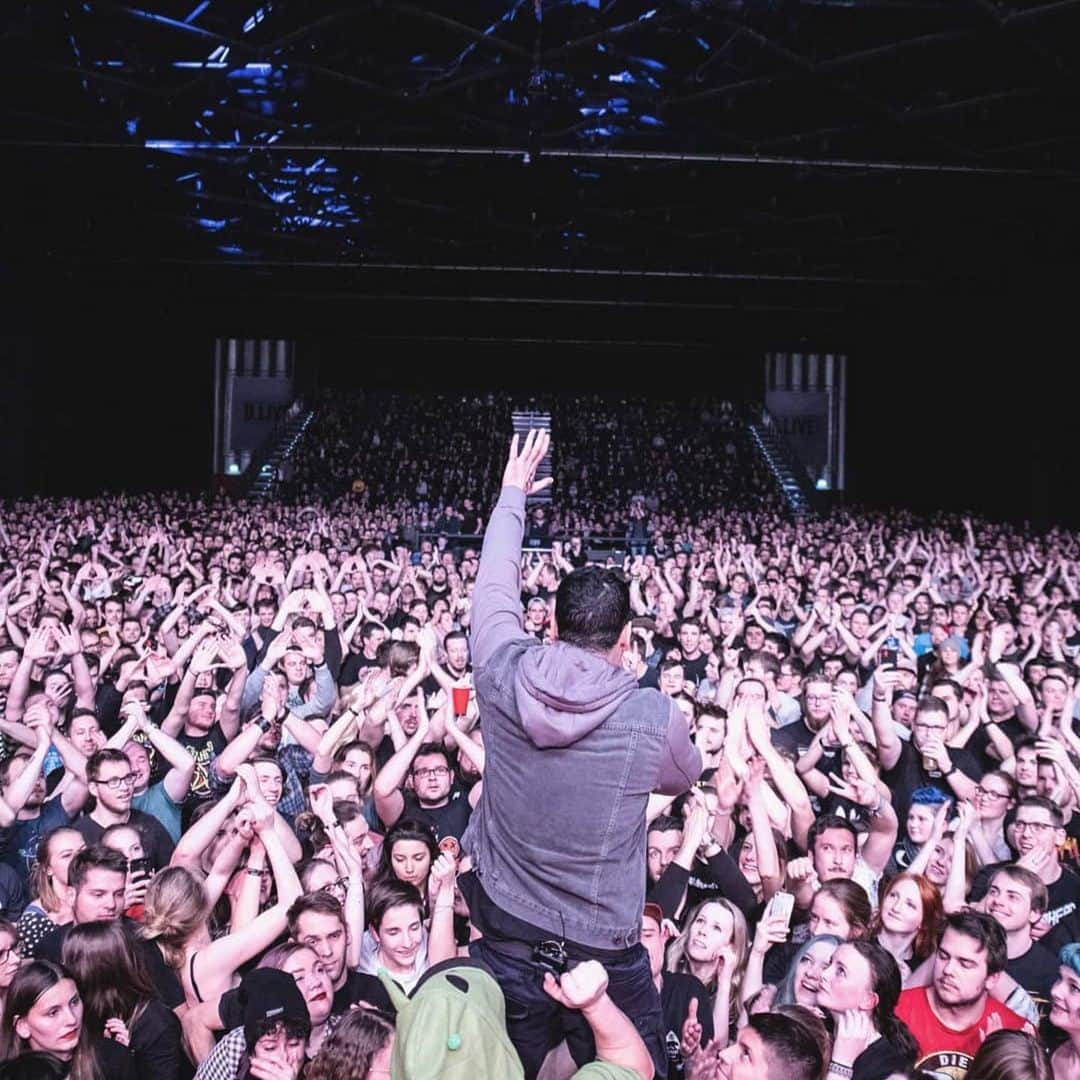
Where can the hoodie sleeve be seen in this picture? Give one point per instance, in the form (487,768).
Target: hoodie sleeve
(496,603)
(680,763)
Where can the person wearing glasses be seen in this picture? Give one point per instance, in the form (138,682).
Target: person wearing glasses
(435,799)
(994,798)
(10,958)
(1036,834)
(111,781)
(927,760)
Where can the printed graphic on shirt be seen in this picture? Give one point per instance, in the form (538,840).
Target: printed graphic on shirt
(1063,911)
(945,1065)
(200,779)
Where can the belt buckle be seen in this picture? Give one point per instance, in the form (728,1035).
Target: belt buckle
(550,956)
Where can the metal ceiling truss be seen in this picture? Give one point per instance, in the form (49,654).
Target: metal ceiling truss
(750,140)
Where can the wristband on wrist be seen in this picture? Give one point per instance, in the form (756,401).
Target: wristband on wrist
(836,1069)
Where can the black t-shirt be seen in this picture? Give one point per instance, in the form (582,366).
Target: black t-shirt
(449,820)
(676,993)
(795,739)
(1036,972)
(908,774)
(979,744)
(203,748)
(1061,913)
(694,670)
(156,841)
(879,1060)
(12,893)
(360,987)
(354,664)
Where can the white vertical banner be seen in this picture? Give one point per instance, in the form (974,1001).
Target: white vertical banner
(253,389)
(808,409)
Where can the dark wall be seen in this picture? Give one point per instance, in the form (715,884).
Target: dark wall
(108,407)
(950,407)
(977,416)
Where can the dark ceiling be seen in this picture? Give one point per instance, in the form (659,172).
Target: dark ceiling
(801,159)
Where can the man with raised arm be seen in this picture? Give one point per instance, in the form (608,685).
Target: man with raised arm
(573,749)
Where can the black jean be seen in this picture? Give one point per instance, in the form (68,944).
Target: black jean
(537,1023)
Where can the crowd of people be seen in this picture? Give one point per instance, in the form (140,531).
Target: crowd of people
(807,804)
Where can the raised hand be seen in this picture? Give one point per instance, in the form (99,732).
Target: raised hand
(69,641)
(771,930)
(521,466)
(38,719)
(442,876)
(39,643)
(802,870)
(857,791)
(232,654)
(706,1064)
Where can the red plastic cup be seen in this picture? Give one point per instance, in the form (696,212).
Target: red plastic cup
(461,700)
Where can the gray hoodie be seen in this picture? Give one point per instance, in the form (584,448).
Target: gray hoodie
(572,751)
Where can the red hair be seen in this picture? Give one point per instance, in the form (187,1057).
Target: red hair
(933,913)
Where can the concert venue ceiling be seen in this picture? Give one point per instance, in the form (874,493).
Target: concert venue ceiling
(664,161)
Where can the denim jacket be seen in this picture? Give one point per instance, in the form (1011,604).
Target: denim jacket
(572,751)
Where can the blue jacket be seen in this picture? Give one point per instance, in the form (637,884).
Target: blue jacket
(572,751)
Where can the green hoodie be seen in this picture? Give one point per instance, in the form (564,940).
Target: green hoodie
(454,1028)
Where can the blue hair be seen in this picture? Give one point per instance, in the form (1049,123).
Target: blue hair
(1070,956)
(928,796)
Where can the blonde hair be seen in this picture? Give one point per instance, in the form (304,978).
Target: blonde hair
(41,883)
(677,959)
(176,906)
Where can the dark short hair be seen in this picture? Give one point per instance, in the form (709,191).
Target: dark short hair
(322,903)
(664,823)
(383,896)
(825,822)
(430,748)
(984,929)
(103,757)
(95,857)
(930,704)
(796,1053)
(592,606)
